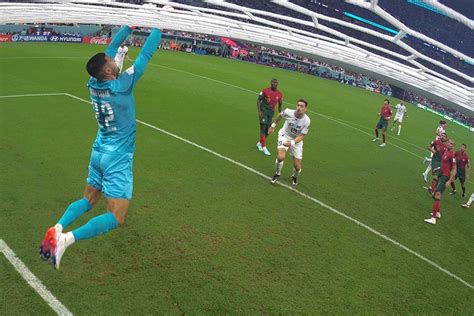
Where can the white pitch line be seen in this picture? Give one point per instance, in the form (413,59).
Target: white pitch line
(30,95)
(77,98)
(336,120)
(371,129)
(434,264)
(33,281)
(324,205)
(371,135)
(41,57)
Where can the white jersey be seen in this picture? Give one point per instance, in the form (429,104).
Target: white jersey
(121,53)
(294,126)
(401,110)
(440,131)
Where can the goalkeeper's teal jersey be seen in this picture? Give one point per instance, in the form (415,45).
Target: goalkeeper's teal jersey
(113,101)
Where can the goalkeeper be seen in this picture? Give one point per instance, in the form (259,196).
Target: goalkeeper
(110,166)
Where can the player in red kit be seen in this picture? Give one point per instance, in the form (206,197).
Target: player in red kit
(463,165)
(385,115)
(437,148)
(267,99)
(446,176)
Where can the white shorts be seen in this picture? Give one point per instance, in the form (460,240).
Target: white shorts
(119,63)
(399,118)
(296,150)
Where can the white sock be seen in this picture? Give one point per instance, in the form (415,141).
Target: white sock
(428,169)
(471,199)
(399,128)
(296,173)
(69,239)
(59,228)
(279,166)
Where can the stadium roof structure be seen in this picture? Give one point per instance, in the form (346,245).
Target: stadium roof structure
(302,36)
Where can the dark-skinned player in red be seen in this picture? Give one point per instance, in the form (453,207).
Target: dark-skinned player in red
(437,147)
(463,169)
(267,99)
(385,115)
(446,176)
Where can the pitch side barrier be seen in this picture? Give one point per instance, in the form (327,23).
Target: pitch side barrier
(54,38)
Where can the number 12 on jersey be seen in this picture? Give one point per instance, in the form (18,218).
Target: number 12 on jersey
(103,113)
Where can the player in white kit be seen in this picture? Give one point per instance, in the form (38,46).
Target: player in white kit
(122,53)
(290,137)
(468,204)
(401,112)
(440,130)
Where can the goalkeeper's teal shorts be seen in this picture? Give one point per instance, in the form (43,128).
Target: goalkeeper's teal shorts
(112,174)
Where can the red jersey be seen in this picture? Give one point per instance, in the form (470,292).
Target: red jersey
(448,160)
(439,147)
(462,159)
(271,98)
(386,112)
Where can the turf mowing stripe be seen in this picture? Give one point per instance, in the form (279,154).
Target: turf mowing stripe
(320,114)
(33,281)
(337,120)
(371,129)
(314,200)
(434,264)
(288,187)
(371,135)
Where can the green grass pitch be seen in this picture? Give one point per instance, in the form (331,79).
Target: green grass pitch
(207,236)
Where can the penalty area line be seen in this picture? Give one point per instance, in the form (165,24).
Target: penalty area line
(324,205)
(31,95)
(32,280)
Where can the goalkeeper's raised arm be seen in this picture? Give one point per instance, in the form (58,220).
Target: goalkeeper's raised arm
(128,79)
(118,39)
(150,47)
